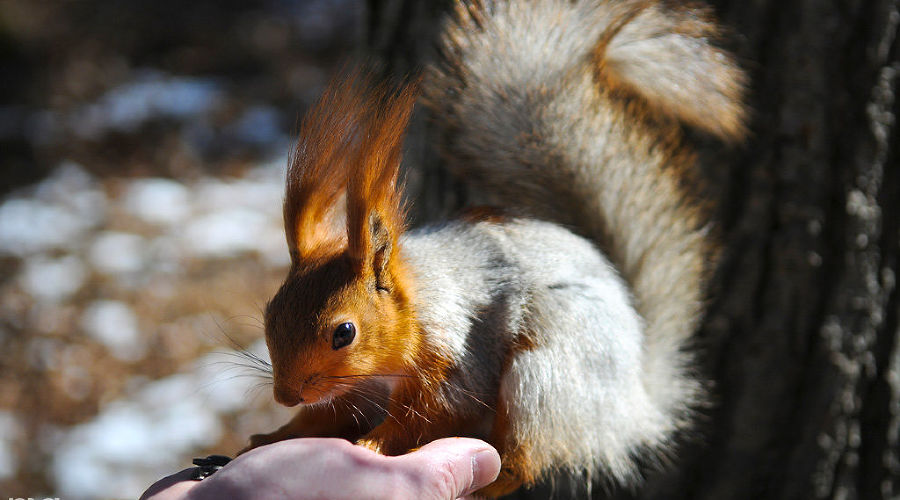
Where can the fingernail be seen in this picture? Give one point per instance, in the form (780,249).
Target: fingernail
(485,467)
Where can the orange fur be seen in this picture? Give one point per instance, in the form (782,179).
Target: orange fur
(517,467)
(374,196)
(317,172)
(349,149)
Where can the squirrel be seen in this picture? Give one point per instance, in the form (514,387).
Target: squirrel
(557,328)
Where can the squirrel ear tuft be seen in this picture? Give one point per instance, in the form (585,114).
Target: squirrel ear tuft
(318,171)
(382,246)
(349,147)
(375,211)
(665,56)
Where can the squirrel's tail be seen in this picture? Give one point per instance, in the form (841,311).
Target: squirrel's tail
(569,110)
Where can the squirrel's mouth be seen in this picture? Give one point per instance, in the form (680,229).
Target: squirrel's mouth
(307,393)
(315,397)
(320,390)
(286,396)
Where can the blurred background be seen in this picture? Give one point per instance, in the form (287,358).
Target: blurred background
(142,151)
(142,154)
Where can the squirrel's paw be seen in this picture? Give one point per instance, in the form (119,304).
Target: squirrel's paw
(372,444)
(506,483)
(258,440)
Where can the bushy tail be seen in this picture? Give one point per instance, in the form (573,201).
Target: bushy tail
(568,110)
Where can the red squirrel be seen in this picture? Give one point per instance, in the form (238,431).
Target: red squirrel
(557,330)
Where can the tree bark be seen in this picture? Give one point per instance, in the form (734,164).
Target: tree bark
(801,335)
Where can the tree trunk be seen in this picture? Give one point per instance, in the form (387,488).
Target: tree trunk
(801,336)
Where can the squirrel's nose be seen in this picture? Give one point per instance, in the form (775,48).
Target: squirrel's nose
(287,396)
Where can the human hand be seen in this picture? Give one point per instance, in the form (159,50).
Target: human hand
(313,468)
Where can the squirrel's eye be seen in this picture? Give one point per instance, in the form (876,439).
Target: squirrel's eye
(343,335)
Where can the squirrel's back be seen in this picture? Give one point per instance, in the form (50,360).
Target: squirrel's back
(570,111)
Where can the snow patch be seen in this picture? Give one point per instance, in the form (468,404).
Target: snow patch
(53,280)
(134,441)
(152,95)
(262,195)
(260,126)
(60,211)
(158,201)
(115,325)
(69,177)
(29,226)
(9,429)
(114,252)
(240,215)
(130,444)
(225,234)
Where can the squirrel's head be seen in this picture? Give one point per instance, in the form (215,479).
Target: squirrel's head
(343,315)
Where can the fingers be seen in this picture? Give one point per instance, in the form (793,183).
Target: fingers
(449,468)
(302,469)
(171,487)
(316,468)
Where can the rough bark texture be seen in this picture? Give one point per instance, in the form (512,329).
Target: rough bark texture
(801,341)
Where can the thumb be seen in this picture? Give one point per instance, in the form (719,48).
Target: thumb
(450,468)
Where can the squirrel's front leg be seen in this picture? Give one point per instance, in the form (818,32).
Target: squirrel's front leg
(517,467)
(388,438)
(409,426)
(342,418)
(401,431)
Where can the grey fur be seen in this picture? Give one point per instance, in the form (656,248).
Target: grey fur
(576,398)
(528,119)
